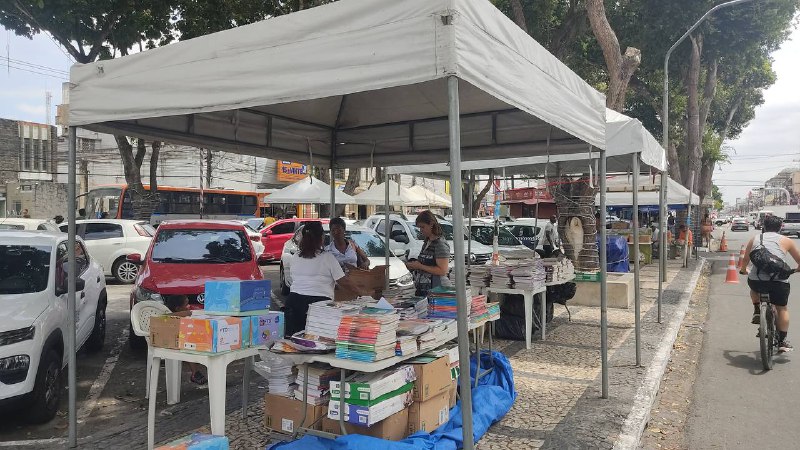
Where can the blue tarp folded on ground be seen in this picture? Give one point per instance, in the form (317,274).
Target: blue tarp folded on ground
(617,254)
(491,400)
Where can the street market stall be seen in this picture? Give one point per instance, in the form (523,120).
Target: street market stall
(351,84)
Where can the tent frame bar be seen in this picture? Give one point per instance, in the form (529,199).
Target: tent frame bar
(434,119)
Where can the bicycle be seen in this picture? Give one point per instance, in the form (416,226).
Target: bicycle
(767,333)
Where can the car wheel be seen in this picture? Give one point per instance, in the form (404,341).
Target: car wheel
(47,391)
(98,337)
(284,288)
(135,342)
(124,271)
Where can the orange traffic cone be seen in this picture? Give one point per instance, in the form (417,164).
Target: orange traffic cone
(741,256)
(723,243)
(733,275)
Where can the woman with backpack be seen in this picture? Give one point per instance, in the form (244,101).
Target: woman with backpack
(769,274)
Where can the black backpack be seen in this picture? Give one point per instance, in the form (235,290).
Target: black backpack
(768,263)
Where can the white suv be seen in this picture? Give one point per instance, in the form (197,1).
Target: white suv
(33,318)
(110,241)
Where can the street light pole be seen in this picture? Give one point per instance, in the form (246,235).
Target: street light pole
(665,139)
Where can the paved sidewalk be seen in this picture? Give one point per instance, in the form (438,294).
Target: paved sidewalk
(558,382)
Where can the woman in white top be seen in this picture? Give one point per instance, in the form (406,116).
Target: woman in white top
(314,276)
(347,252)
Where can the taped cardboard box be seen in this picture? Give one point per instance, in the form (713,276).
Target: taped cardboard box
(370,386)
(433,378)
(393,428)
(165,330)
(369,282)
(429,415)
(368,415)
(237,296)
(285,414)
(453,393)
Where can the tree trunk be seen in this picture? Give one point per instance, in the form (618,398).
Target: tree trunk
(132,165)
(209,161)
(378,175)
(674,162)
(694,148)
(575,199)
(732,112)
(519,14)
(709,91)
(620,66)
(567,32)
(353,178)
(156,146)
(480,195)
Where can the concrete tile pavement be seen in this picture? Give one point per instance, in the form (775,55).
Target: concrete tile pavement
(558,381)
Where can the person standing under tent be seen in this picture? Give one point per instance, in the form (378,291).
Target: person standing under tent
(346,251)
(431,266)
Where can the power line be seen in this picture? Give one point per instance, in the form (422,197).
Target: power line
(34,66)
(37,72)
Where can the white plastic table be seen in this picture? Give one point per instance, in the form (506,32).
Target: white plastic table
(217,365)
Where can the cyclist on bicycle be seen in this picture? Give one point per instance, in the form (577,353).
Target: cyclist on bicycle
(762,283)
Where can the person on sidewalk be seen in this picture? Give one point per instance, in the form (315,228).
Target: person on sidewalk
(764,283)
(551,239)
(431,266)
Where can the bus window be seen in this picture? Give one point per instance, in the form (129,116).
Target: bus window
(103,200)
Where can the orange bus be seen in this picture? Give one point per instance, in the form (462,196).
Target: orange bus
(114,202)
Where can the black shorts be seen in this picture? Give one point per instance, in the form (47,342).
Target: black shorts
(778,290)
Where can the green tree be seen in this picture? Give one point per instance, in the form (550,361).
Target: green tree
(716,196)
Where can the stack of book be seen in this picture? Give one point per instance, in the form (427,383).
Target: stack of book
(494,310)
(279,373)
(500,276)
(324,317)
(477,310)
(558,270)
(529,274)
(406,345)
(368,336)
(319,379)
(410,307)
(442,303)
(479,276)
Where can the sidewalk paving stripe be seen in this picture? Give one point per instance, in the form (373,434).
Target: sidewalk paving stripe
(546,377)
(645,396)
(34,442)
(102,378)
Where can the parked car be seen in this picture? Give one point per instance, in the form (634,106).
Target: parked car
(274,235)
(18,223)
(529,233)
(255,223)
(405,232)
(740,224)
(110,241)
(368,240)
(791,227)
(185,254)
(33,318)
(255,237)
(508,245)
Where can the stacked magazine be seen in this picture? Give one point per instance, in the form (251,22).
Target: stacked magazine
(319,379)
(324,317)
(368,336)
(279,373)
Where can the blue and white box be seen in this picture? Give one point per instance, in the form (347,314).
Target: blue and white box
(237,296)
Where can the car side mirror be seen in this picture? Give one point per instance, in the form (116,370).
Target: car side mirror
(80,284)
(135,258)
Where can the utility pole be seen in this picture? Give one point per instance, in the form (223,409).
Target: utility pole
(84,179)
(209,158)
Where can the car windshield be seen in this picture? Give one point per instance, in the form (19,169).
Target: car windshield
(201,246)
(24,269)
(485,235)
(255,223)
(370,242)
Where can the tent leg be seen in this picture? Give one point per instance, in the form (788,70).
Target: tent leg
(333,191)
(458,247)
(470,212)
(662,242)
(71,272)
(387,227)
(603,280)
(636,265)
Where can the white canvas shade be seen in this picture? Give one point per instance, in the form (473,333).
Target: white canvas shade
(431,199)
(398,195)
(620,193)
(308,190)
(356,83)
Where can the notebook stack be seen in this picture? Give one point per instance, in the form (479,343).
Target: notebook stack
(529,274)
(410,307)
(477,310)
(493,309)
(442,303)
(406,345)
(368,336)
(479,276)
(500,276)
(558,270)
(319,379)
(279,373)
(324,317)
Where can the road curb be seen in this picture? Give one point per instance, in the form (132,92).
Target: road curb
(634,424)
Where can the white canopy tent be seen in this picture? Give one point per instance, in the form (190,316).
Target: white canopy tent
(308,190)
(355,83)
(432,199)
(398,195)
(620,192)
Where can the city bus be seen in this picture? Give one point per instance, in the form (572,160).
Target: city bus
(114,202)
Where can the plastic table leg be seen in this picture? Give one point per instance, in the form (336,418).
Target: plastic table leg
(149,364)
(543,318)
(528,296)
(217,373)
(248,366)
(173,377)
(155,365)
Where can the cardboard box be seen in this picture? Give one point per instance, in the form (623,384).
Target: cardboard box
(267,328)
(210,334)
(198,441)
(165,330)
(237,296)
(369,282)
(453,393)
(370,386)
(433,379)
(429,415)
(393,428)
(368,415)
(285,415)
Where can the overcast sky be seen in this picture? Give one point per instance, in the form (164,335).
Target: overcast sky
(770,143)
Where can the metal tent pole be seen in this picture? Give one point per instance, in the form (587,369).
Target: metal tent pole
(603,280)
(470,212)
(333,190)
(662,241)
(687,245)
(636,265)
(71,276)
(458,247)
(386,227)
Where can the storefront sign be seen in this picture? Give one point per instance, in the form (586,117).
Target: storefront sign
(527,194)
(291,171)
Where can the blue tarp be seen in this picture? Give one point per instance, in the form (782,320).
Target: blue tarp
(617,254)
(491,400)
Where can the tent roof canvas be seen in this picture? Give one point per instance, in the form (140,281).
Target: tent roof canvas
(283,88)
(398,196)
(620,193)
(308,190)
(432,199)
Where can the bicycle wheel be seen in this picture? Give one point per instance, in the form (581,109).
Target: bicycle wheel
(766,332)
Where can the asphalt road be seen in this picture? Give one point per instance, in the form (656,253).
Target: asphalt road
(736,403)
(111,383)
